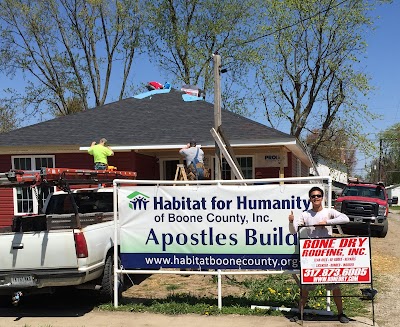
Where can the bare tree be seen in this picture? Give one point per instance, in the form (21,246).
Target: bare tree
(335,149)
(67,49)
(184,34)
(309,79)
(8,119)
(387,159)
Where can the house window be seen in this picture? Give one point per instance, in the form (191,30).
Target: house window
(245,163)
(27,199)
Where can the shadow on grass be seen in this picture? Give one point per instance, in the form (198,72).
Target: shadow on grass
(186,303)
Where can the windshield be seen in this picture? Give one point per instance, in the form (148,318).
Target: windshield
(369,192)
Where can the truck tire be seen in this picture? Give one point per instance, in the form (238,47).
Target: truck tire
(384,230)
(107,281)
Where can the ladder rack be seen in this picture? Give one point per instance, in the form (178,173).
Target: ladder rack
(61,176)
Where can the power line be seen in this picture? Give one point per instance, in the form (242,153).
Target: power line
(296,23)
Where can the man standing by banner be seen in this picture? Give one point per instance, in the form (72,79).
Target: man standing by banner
(320,220)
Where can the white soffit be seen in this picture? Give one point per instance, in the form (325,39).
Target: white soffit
(179,146)
(292,145)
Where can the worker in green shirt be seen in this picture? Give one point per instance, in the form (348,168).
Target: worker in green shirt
(100,152)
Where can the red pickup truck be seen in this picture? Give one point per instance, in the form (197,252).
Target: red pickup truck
(365,204)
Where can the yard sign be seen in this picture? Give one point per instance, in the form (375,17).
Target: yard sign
(335,260)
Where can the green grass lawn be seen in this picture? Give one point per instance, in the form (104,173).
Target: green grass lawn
(273,290)
(395,209)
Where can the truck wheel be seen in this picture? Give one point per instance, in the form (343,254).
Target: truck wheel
(384,230)
(107,282)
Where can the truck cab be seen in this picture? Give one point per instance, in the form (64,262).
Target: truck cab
(366,205)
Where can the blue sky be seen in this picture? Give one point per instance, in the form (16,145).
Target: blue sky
(382,63)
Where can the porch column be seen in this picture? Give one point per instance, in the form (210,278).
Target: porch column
(281,163)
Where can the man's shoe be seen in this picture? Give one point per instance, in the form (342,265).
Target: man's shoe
(343,318)
(295,318)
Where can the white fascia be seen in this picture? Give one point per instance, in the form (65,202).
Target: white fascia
(178,146)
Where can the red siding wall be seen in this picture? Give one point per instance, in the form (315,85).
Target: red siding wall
(74,160)
(305,171)
(145,166)
(6,207)
(293,161)
(272,172)
(123,161)
(5,162)
(6,195)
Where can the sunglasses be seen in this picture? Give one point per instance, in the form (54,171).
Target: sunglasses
(316,196)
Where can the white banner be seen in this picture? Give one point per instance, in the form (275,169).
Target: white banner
(210,226)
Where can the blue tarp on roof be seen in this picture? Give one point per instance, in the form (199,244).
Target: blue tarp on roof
(188,97)
(149,93)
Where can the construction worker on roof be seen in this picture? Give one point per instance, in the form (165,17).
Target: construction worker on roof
(194,160)
(100,153)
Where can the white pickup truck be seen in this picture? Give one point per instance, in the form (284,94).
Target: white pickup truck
(69,244)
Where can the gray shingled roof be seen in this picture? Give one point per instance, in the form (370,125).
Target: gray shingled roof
(161,119)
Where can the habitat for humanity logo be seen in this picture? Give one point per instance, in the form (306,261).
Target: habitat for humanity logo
(138,201)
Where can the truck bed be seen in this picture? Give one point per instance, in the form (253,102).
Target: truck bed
(37,223)
(37,250)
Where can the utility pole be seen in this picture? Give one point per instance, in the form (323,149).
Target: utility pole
(380,161)
(380,164)
(217,112)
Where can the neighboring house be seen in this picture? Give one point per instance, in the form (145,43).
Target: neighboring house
(393,191)
(146,135)
(339,176)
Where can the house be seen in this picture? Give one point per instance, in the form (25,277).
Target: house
(393,192)
(338,175)
(146,135)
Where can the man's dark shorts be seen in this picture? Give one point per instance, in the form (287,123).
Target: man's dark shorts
(100,166)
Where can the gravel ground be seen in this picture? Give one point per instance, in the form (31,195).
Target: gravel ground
(386,266)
